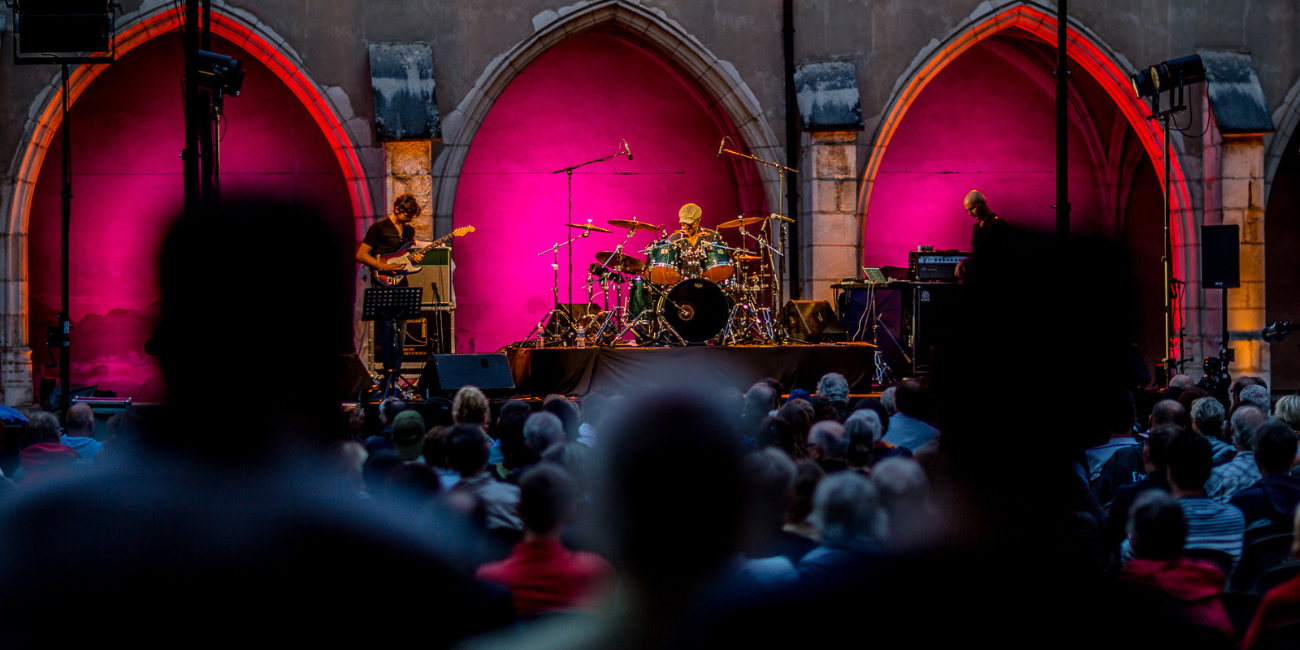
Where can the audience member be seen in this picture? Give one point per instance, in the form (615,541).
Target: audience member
(799,415)
(593,409)
(1153,476)
(467,447)
(573,457)
(1241,472)
(1184,382)
(906,427)
(542,430)
(1210,525)
(827,445)
(775,432)
(81,431)
(1257,395)
(1192,588)
(904,495)
(777,389)
(772,474)
(1272,499)
(1207,419)
(541,574)
(515,453)
(563,408)
(1241,384)
(834,387)
(1168,411)
(862,431)
(887,399)
(408,436)
(799,394)
(1190,395)
(760,401)
(348,459)
(674,521)
(1280,606)
(388,411)
(847,514)
(470,406)
(1117,408)
(806,477)
(823,411)
(44,458)
(1287,410)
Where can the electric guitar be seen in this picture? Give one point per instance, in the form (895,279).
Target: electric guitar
(409,255)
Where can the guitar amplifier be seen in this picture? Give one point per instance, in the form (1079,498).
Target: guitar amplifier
(435,278)
(934,266)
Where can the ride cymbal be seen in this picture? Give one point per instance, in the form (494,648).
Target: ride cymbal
(743,221)
(587,226)
(632,224)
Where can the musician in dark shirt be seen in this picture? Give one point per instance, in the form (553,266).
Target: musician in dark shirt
(989,228)
(386,237)
(693,241)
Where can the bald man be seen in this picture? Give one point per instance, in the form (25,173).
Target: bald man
(989,227)
(81,431)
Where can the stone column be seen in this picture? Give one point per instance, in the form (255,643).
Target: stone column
(828,246)
(1242,191)
(408,168)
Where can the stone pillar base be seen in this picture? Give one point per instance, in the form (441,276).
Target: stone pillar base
(16,376)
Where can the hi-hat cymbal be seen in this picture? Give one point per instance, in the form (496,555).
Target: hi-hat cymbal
(632,224)
(743,221)
(587,226)
(621,262)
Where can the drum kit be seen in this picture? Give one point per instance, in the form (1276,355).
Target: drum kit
(678,293)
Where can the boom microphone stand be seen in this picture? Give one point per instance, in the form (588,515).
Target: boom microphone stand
(568,171)
(777,263)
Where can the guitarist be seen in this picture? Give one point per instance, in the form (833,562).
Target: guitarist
(385,238)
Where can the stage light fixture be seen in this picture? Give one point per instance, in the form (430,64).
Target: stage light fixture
(1168,75)
(218,72)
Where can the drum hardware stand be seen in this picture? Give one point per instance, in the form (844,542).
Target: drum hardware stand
(662,332)
(540,328)
(568,172)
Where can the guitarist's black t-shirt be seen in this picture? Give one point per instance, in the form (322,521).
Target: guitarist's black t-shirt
(383,238)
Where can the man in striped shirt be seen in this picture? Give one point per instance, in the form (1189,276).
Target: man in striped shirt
(1210,525)
(1241,472)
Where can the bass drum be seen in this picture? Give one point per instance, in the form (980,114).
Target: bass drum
(696,309)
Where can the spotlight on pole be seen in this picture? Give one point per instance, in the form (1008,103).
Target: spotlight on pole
(220,73)
(1174,73)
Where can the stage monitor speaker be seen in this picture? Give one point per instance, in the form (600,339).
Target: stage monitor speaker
(1220,265)
(933,310)
(448,373)
(812,320)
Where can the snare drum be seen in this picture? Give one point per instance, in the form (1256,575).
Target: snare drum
(717,264)
(661,263)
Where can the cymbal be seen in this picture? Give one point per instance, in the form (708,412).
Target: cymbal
(747,257)
(587,226)
(743,221)
(632,224)
(619,261)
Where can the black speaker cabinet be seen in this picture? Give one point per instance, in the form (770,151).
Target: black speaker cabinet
(933,310)
(1220,265)
(448,373)
(812,320)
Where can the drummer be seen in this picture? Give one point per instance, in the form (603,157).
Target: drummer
(692,235)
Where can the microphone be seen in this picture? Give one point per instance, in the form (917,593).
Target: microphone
(721,145)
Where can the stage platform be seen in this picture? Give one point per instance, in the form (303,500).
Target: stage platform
(622,370)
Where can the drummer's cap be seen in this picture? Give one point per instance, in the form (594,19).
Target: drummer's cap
(690,213)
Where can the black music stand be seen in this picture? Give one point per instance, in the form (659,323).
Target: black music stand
(392,305)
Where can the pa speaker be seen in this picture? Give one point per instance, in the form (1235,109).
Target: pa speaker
(1220,265)
(356,381)
(448,373)
(812,320)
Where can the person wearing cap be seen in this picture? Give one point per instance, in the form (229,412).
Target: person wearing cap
(408,436)
(691,234)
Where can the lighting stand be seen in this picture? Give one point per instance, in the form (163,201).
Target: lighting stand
(1173,361)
